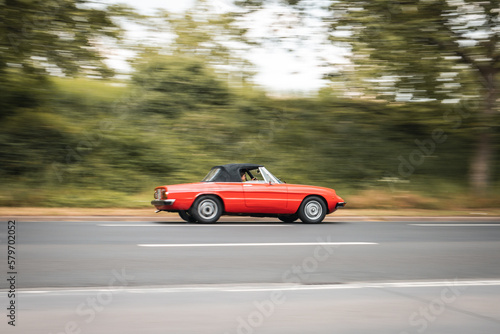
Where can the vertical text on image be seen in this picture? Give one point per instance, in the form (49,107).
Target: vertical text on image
(11,272)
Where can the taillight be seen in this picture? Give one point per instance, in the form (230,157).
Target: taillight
(161,194)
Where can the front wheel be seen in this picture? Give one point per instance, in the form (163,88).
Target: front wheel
(206,209)
(312,210)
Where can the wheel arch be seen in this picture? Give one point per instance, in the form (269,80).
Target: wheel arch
(208,195)
(313,195)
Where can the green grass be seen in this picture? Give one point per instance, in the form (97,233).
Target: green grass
(449,197)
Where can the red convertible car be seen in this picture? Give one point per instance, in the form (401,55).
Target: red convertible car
(247,190)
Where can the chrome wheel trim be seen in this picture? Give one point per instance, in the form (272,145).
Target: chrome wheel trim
(207,209)
(313,210)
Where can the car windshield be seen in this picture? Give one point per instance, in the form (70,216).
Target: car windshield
(211,175)
(268,177)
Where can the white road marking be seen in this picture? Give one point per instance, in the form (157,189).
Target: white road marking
(182,225)
(455,225)
(269,287)
(382,285)
(261,244)
(35,291)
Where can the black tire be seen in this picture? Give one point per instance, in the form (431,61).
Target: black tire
(206,209)
(312,210)
(186,216)
(288,218)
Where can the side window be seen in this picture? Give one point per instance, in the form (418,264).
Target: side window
(254,175)
(243,175)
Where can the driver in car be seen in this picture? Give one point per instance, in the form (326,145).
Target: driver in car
(243,174)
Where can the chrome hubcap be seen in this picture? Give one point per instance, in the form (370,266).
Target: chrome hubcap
(207,209)
(313,210)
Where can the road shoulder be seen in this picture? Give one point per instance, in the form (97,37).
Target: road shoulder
(148,214)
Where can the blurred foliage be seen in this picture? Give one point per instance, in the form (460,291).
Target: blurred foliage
(53,36)
(169,84)
(214,39)
(83,143)
(415,51)
(78,141)
(441,50)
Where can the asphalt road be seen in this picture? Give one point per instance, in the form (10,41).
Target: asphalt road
(253,276)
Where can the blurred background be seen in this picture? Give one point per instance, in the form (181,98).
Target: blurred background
(395,104)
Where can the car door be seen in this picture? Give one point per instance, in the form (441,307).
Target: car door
(261,197)
(232,195)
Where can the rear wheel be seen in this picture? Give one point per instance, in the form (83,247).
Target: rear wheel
(185,215)
(312,210)
(288,218)
(206,209)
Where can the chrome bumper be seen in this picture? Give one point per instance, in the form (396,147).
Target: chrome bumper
(340,205)
(161,202)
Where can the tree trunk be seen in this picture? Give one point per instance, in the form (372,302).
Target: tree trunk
(481,165)
(480,174)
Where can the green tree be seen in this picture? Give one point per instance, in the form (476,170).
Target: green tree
(438,49)
(214,37)
(53,36)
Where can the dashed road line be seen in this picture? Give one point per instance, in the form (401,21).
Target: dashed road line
(253,244)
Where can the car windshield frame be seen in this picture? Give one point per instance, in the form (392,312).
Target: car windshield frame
(268,176)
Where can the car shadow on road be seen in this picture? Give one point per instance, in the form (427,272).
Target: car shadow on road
(244,223)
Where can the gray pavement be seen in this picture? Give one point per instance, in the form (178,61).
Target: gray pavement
(255,276)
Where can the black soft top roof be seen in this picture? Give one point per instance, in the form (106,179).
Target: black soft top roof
(231,172)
